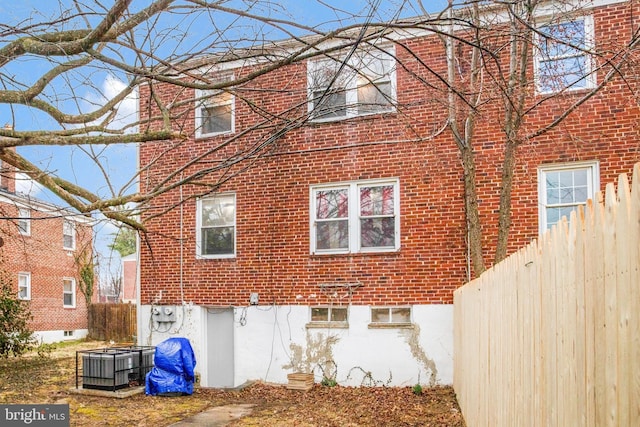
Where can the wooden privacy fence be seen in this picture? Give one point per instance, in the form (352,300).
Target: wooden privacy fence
(112,322)
(551,335)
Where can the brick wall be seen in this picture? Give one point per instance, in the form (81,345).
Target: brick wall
(273,256)
(42,254)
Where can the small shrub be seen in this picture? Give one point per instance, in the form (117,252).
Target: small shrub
(15,336)
(44,349)
(328,382)
(417,389)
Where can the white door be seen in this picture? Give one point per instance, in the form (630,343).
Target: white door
(220,367)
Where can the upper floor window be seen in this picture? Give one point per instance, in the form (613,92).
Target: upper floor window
(355,217)
(24,221)
(562,188)
(362,84)
(68,234)
(562,57)
(69,292)
(215,112)
(216,223)
(24,286)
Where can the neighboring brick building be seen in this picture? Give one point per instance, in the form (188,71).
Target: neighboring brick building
(40,245)
(338,251)
(129,278)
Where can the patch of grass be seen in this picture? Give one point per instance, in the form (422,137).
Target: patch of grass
(44,350)
(66,344)
(50,380)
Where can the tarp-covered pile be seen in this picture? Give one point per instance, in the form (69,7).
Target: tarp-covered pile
(173,371)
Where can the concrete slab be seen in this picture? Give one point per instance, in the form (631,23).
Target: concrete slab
(118,394)
(216,417)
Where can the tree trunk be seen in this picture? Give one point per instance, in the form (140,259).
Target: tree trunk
(504,212)
(474,230)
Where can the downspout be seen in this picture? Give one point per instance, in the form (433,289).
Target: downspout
(181,244)
(139,268)
(139,295)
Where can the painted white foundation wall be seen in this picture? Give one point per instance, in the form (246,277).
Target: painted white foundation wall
(49,337)
(273,341)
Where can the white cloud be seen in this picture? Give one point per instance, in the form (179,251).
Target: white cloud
(27,186)
(127,108)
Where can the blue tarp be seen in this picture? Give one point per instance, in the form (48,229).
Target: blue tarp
(173,371)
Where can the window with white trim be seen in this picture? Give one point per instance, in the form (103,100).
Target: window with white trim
(364,83)
(69,292)
(390,315)
(216,224)
(361,216)
(24,286)
(562,60)
(24,221)
(215,112)
(329,314)
(68,234)
(562,188)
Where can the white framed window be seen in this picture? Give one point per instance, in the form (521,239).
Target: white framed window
(329,314)
(24,221)
(562,61)
(562,188)
(361,216)
(392,316)
(68,292)
(329,317)
(24,286)
(216,226)
(215,112)
(68,234)
(340,88)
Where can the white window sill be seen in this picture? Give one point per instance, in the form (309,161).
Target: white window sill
(327,325)
(212,135)
(232,256)
(369,252)
(569,90)
(350,116)
(391,326)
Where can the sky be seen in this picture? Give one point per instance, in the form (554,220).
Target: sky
(120,161)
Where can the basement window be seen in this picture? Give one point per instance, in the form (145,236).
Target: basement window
(390,317)
(328,316)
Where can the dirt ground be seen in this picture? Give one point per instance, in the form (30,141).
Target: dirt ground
(49,379)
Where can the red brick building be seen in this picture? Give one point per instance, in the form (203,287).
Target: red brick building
(40,247)
(336,247)
(129,278)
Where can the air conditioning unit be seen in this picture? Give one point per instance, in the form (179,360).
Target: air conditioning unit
(114,368)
